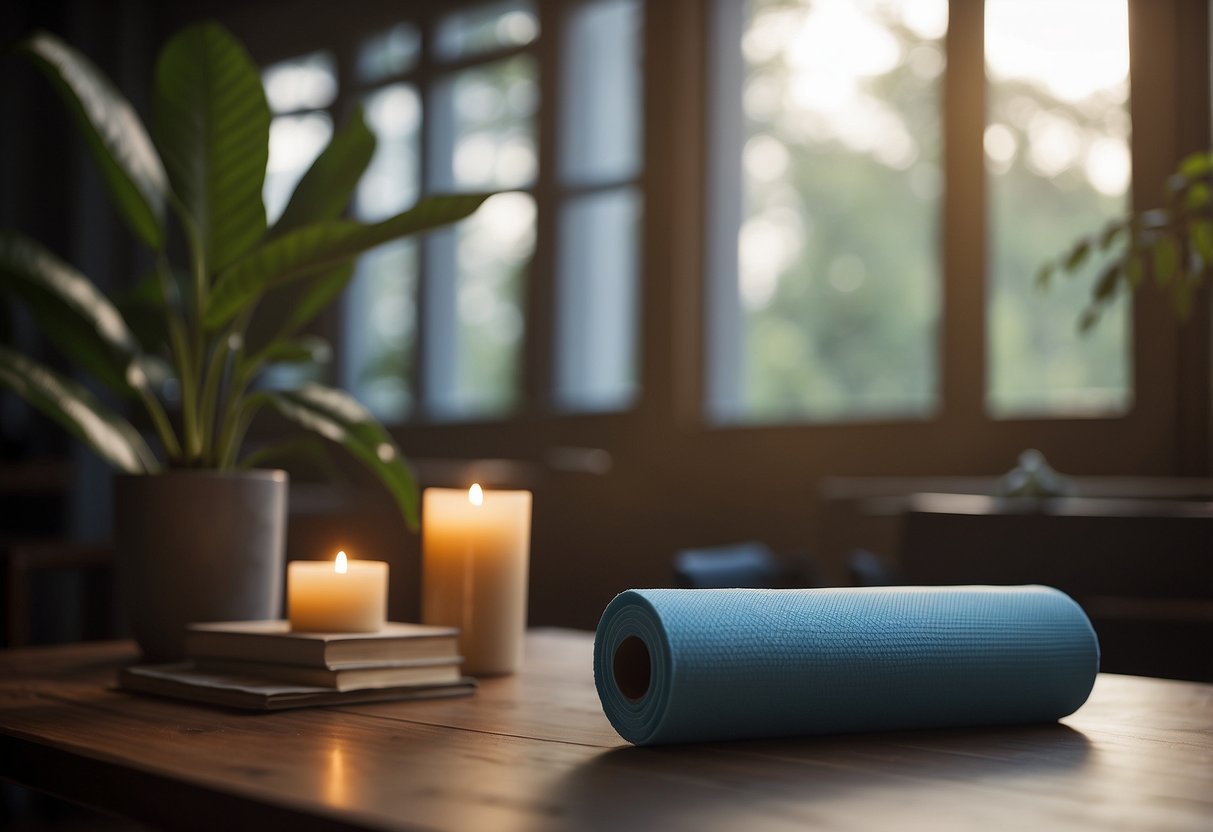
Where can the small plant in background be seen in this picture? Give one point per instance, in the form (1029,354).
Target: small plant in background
(208,328)
(1170,246)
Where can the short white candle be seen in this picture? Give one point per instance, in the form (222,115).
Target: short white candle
(344,596)
(476,548)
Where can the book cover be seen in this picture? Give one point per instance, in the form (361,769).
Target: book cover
(418,672)
(274,641)
(184,681)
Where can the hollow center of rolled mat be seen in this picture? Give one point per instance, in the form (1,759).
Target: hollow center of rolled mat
(632,667)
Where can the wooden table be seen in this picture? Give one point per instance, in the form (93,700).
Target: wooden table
(534,751)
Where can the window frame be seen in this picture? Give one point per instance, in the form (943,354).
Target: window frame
(1171,389)
(1166,432)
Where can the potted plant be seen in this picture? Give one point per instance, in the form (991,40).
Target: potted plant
(198,537)
(1172,245)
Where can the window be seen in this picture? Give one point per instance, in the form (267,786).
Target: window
(832,295)
(447,126)
(1058,162)
(827,292)
(381,302)
(298,91)
(728,215)
(599,230)
(737,285)
(436,328)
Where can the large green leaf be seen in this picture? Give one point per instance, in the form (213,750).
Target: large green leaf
(306,453)
(305,349)
(318,246)
(1166,260)
(212,125)
(72,312)
(72,406)
(337,416)
(147,311)
(325,190)
(1200,232)
(323,193)
(294,306)
(115,136)
(1196,165)
(316,295)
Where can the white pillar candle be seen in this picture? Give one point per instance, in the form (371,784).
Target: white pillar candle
(345,596)
(476,547)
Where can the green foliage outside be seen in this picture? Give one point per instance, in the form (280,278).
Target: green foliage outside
(851,327)
(1171,247)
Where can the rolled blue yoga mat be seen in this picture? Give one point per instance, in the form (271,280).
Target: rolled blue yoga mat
(696,665)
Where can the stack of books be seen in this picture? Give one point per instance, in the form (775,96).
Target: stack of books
(264,665)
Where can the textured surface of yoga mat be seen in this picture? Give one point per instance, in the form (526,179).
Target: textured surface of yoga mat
(675,665)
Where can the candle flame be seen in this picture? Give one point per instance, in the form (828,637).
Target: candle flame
(341,566)
(476,494)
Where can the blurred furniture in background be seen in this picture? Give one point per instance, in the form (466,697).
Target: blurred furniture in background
(870,569)
(57,590)
(867,512)
(54,589)
(1142,569)
(737,565)
(748,565)
(34,495)
(1137,553)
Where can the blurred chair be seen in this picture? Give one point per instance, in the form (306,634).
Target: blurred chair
(870,569)
(57,590)
(745,565)
(1142,569)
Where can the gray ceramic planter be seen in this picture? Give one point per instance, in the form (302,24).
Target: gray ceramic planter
(198,546)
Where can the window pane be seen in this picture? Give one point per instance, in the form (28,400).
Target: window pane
(393,179)
(492,250)
(381,330)
(600,114)
(295,142)
(596,301)
(1057,157)
(390,53)
(832,313)
(484,131)
(308,82)
(380,305)
(486,28)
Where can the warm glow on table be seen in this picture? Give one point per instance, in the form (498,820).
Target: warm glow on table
(341,596)
(476,548)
